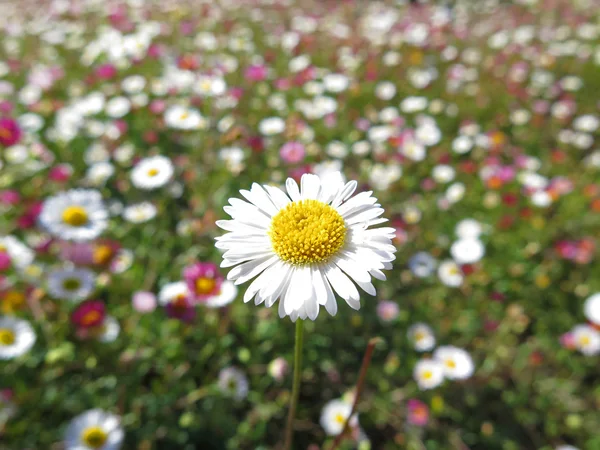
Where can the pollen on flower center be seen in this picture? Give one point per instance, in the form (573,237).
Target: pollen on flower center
(205,285)
(94,437)
(7,337)
(307,232)
(152,172)
(75,216)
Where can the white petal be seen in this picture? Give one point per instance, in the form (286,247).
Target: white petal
(292,189)
(345,193)
(310,185)
(278,197)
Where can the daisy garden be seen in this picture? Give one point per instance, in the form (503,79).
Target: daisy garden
(299,224)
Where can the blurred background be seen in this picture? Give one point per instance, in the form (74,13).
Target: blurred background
(125,127)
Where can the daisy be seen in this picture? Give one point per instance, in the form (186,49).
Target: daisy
(306,245)
(233,383)
(184,118)
(586,339)
(20,255)
(109,329)
(467,251)
(206,285)
(591,308)
(77,215)
(428,373)
(94,430)
(457,363)
(422,337)
(16,337)
(71,284)
(139,212)
(334,415)
(271,126)
(450,274)
(152,173)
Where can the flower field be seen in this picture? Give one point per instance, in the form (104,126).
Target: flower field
(299,224)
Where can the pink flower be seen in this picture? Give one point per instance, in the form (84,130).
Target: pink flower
(144,301)
(60,173)
(4,261)
(80,253)
(567,341)
(10,133)
(9,197)
(106,71)
(418,413)
(387,310)
(203,280)
(89,314)
(256,72)
(292,152)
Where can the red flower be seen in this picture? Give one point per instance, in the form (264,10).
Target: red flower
(89,314)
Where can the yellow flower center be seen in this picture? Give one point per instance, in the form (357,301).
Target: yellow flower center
(307,232)
(152,172)
(205,285)
(90,317)
(94,437)
(11,301)
(102,254)
(427,375)
(450,364)
(339,418)
(7,336)
(75,216)
(71,284)
(5,134)
(584,341)
(184,115)
(419,336)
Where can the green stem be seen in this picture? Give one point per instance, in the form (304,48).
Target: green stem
(289,429)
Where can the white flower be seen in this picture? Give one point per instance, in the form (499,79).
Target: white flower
(139,212)
(71,284)
(94,430)
(422,337)
(455,192)
(227,294)
(467,251)
(428,373)
(118,107)
(457,363)
(109,330)
(468,228)
(20,255)
(16,337)
(152,173)
(184,118)
(334,415)
(587,339)
(450,274)
(133,84)
(78,215)
(443,173)
(335,82)
(233,383)
(462,144)
(271,126)
(587,123)
(208,86)
(591,308)
(98,173)
(413,104)
(385,90)
(305,245)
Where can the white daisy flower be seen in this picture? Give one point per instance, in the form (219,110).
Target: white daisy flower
(428,373)
(271,126)
(71,284)
(233,383)
(306,245)
(110,329)
(139,212)
(16,337)
(184,118)
(450,274)
(591,308)
(587,339)
(78,215)
(422,337)
(228,293)
(171,292)
(334,415)
(94,430)
(467,251)
(457,363)
(20,255)
(468,228)
(152,173)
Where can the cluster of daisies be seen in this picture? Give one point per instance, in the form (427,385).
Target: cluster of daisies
(586,337)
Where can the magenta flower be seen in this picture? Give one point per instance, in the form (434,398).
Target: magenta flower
(9,197)
(292,152)
(106,71)
(10,132)
(418,413)
(203,280)
(256,72)
(182,309)
(89,314)
(4,261)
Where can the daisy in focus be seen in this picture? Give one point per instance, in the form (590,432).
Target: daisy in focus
(304,246)
(94,430)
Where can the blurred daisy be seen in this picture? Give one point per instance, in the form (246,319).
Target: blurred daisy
(20,255)
(457,363)
(207,287)
(317,236)
(233,383)
(152,173)
(16,337)
(78,215)
(71,284)
(586,339)
(422,337)
(467,251)
(450,274)
(139,212)
(334,415)
(591,308)
(428,373)
(109,329)
(184,118)
(271,126)
(94,430)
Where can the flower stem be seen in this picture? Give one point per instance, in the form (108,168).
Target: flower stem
(289,429)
